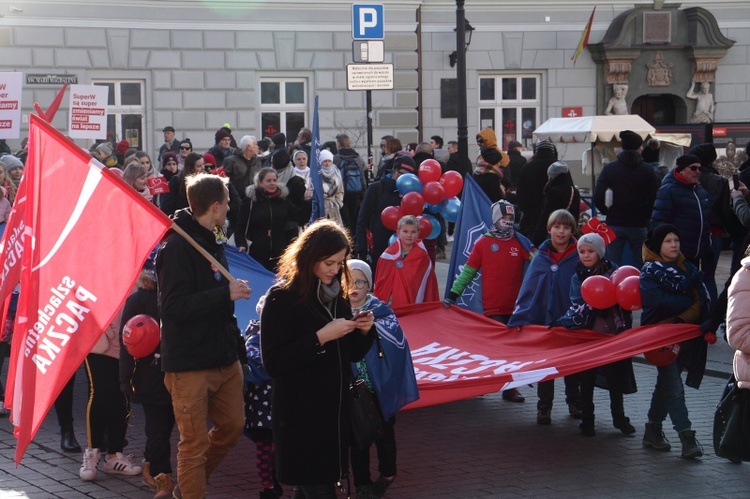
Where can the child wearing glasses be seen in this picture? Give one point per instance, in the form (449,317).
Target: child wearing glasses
(388,372)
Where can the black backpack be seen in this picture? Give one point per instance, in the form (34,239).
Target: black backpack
(351,176)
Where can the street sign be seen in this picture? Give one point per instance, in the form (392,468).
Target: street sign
(572,112)
(368,22)
(368,51)
(369,76)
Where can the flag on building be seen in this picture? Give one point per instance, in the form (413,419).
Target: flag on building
(584,38)
(86,235)
(318,201)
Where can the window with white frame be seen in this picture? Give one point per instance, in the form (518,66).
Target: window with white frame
(510,105)
(283,106)
(125,111)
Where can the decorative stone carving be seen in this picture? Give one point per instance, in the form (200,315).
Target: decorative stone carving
(617,103)
(657,28)
(618,70)
(659,72)
(705,107)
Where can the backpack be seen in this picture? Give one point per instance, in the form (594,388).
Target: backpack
(352,177)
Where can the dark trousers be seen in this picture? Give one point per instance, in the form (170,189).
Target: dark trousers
(546,391)
(64,405)
(588,381)
(386,447)
(350,211)
(159,426)
(4,349)
(323,491)
(107,410)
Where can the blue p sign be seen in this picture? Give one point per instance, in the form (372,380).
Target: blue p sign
(367,22)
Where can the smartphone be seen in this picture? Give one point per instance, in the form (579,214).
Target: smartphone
(361,314)
(736,181)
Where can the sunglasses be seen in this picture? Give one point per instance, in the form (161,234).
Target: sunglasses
(693,167)
(480,141)
(187,148)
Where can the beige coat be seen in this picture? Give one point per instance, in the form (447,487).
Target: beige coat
(738,323)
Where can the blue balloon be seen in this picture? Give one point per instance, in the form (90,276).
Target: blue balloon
(432,208)
(450,208)
(392,239)
(408,183)
(436,228)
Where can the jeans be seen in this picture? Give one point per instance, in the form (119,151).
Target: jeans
(197,395)
(634,237)
(669,398)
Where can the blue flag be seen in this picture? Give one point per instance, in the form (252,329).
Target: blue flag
(474,220)
(318,201)
(243,266)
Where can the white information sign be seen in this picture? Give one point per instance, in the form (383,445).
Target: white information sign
(369,76)
(10,105)
(88,111)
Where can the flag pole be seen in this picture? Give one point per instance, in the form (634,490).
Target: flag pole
(203,252)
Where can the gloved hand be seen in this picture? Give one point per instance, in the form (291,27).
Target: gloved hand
(678,320)
(709,326)
(554,324)
(450,299)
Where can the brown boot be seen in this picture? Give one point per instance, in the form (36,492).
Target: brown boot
(146,477)
(164,486)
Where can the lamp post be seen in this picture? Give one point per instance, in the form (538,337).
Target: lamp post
(460,58)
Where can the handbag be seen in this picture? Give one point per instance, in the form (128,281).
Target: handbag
(732,424)
(366,424)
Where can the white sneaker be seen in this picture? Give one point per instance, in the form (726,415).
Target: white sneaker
(3,411)
(90,464)
(121,465)
(449,238)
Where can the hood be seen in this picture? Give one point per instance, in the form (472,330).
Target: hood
(489,137)
(250,191)
(348,153)
(630,159)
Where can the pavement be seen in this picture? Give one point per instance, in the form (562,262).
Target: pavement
(482,447)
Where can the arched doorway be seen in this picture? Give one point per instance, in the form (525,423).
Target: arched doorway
(660,109)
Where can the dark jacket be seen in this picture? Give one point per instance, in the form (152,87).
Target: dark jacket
(530,189)
(560,194)
(457,164)
(263,225)
(516,165)
(175,199)
(688,208)
(241,171)
(219,154)
(378,196)
(198,327)
(634,187)
(722,215)
(489,181)
(145,374)
(163,149)
(310,387)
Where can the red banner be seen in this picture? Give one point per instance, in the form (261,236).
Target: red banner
(86,237)
(458,354)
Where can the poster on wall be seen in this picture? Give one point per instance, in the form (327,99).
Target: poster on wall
(88,112)
(10,105)
(730,141)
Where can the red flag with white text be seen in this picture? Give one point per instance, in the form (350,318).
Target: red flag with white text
(86,237)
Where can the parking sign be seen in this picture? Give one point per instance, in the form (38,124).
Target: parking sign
(368,22)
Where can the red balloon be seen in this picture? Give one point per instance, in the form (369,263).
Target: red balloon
(452,182)
(629,293)
(663,356)
(425,227)
(429,171)
(622,273)
(140,335)
(412,204)
(599,292)
(433,193)
(390,217)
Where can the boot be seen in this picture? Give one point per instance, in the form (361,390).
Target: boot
(544,415)
(164,486)
(691,449)
(68,442)
(623,424)
(146,477)
(587,426)
(654,437)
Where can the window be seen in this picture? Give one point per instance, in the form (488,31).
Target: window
(125,111)
(283,106)
(513,102)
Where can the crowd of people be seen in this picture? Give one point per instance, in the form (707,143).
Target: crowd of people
(327,324)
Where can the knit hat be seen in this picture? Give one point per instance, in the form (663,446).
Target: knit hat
(593,240)
(168,129)
(122,146)
(657,235)
(280,159)
(209,159)
(545,146)
(706,153)
(11,162)
(502,208)
(278,139)
(325,155)
(630,140)
(363,267)
(221,134)
(404,162)
(686,160)
(513,144)
(167,156)
(556,169)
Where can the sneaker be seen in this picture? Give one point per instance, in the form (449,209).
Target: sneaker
(380,485)
(164,486)
(121,464)
(90,464)
(146,477)
(449,238)
(654,437)
(3,411)
(691,448)
(513,395)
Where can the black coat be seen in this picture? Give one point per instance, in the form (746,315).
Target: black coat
(515,166)
(557,197)
(241,171)
(264,224)
(198,327)
(310,408)
(634,185)
(378,196)
(489,182)
(530,189)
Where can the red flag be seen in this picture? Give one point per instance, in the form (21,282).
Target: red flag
(49,115)
(583,43)
(459,354)
(86,237)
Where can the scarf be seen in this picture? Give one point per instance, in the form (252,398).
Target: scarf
(304,174)
(329,293)
(283,175)
(331,180)
(502,229)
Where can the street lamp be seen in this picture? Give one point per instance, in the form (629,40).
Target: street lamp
(468,29)
(462,26)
